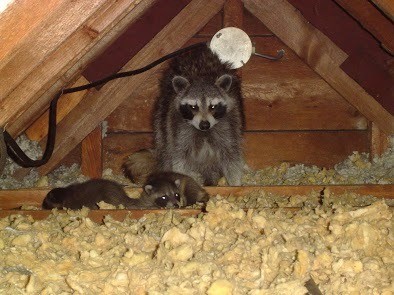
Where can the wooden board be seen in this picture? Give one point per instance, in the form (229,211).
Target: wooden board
(98,107)
(372,20)
(133,39)
(98,215)
(64,64)
(21,18)
(11,199)
(368,63)
(324,149)
(320,54)
(92,154)
(40,44)
(282,95)
(387,6)
(233,14)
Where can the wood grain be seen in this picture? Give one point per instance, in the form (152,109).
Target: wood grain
(11,199)
(387,6)
(18,20)
(92,154)
(43,41)
(320,54)
(372,20)
(282,95)
(379,141)
(233,14)
(64,64)
(321,148)
(98,107)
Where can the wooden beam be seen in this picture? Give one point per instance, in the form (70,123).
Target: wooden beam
(233,14)
(11,199)
(64,65)
(59,26)
(39,129)
(372,20)
(387,6)
(379,141)
(92,154)
(17,21)
(98,215)
(91,111)
(320,54)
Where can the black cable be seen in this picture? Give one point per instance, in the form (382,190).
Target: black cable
(16,153)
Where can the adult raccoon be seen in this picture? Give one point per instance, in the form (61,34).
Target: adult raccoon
(198,119)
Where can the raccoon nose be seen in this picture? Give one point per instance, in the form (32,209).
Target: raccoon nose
(204,125)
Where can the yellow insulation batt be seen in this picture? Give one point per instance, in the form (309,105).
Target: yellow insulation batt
(225,251)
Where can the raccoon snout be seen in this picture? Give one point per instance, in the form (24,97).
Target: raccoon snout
(204,125)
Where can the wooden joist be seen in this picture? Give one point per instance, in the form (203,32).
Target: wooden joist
(98,215)
(320,54)
(92,154)
(95,108)
(11,199)
(39,45)
(66,59)
(233,14)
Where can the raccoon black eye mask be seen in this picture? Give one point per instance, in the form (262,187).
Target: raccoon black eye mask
(218,111)
(188,111)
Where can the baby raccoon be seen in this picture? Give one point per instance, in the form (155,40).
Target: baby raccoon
(87,194)
(170,189)
(162,190)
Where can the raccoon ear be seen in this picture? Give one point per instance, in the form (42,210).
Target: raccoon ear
(180,83)
(148,188)
(224,82)
(177,183)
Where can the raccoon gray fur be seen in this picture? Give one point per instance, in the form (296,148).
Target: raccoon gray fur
(87,194)
(198,119)
(139,165)
(170,189)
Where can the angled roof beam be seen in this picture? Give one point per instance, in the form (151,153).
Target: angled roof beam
(372,20)
(96,107)
(320,53)
(386,6)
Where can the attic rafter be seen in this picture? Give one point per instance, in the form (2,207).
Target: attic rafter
(320,53)
(95,108)
(372,20)
(64,64)
(387,6)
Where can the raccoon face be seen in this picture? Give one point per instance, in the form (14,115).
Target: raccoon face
(203,105)
(166,201)
(164,196)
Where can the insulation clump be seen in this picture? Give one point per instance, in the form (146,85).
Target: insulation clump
(226,251)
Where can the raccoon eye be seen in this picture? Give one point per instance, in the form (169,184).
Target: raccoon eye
(177,197)
(194,107)
(161,201)
(212,107)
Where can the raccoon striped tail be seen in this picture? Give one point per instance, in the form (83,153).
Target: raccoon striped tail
(138,166)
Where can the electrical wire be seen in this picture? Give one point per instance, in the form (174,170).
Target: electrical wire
(19,156)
